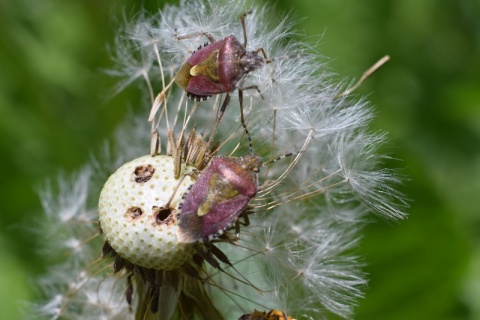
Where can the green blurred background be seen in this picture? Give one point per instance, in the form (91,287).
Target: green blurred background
(55,112)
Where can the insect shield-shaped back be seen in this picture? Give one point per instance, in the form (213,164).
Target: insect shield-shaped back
(216,68)
(218,197)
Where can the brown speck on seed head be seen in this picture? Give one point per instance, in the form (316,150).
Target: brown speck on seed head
(143,173)
(134,212)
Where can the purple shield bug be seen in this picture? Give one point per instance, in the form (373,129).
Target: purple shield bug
(218,197)
(219,67)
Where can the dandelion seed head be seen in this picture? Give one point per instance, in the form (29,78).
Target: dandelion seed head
(137,216)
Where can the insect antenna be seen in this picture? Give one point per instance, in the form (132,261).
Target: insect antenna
(244,27)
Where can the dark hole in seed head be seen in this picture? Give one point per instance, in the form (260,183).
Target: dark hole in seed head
(134,212)
(162,215)
(143,173)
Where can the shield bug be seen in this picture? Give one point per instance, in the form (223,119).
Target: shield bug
(219,67)
(218,197)
(270,315)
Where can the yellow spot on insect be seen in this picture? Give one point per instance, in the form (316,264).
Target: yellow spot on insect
(219,190)
(207,68)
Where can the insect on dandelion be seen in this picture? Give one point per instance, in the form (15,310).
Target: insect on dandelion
(166,240)
(218,66)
